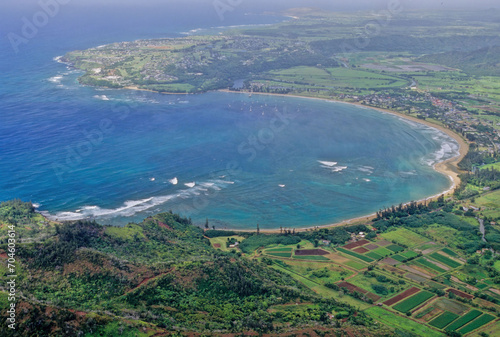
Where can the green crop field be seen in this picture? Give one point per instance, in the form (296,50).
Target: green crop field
(284,249)
(383,251)
(359,256)
(449,252)
(443,259)
(311,257)
(405,237)
(373,255)
(402,323)
(463,320)
(279,254)
(409,254)
(356,265)
(395,248)
(399,258)
(477,323)
(428,264)
(443,320)
(413,301)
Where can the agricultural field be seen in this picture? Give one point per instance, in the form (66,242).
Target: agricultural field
(473,314)
(221,242)
(356,255)
(476,324)
(443,259)
(443,320)
(400,322)
(405,237)
(490,202)
(427,263)
(413,301)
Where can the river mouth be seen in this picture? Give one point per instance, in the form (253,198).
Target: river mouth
(241,161)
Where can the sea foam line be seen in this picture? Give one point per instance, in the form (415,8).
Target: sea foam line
(132,207)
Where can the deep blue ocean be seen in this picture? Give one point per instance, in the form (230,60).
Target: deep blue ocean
(121,155)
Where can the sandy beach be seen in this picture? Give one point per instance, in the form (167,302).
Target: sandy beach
(448,167)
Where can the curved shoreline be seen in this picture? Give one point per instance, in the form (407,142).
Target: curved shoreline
(448,167)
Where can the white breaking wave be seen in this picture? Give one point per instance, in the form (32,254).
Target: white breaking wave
(102,97)
(366,169)
(332,166)
(328,163)
(339,168)
(132,207)
(174,181)
(56,79)
(449,149)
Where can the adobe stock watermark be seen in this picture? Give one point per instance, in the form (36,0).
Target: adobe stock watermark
(373,28)
(75,154)
(32,25)
(223,6)
(249,149)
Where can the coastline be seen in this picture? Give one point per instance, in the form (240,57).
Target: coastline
(448,167)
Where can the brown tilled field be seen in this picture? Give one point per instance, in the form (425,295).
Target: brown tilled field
(356,244)
(404,294)
(460,293)
(351,288)
(361,250)
(311,252)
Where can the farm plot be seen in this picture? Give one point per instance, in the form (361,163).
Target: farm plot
(311,252)
(464,320)
(372,246)
(476,324)
(359,256)
(356,244)
(418,271)
(450,305)
(443,320)
(383,243)
(426,263)
(405,237)
(409,254)
(279,254)
(352,288)
(311,257)
(461,294)
(382,251)
(443,259)
(393,320)
(401,296)
(283,249)
(414,301)
(397,257)
(355,265)
(361,250)
(374,255)
(391,260)
(449,252)
(395,248)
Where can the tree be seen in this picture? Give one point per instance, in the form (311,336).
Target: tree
(206,223)
(258,229)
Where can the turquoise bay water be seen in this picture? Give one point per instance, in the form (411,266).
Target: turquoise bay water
(121,155)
